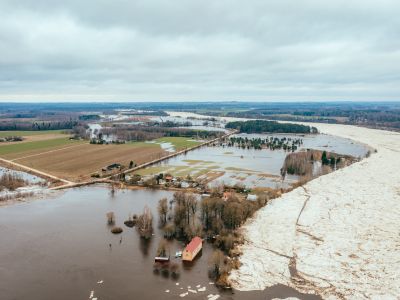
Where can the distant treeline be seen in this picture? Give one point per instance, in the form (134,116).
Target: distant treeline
(37,126)
(261,126)
(173,124)
(369,115)
(89,117)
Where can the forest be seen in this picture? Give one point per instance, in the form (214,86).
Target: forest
(262,126)
(37,126)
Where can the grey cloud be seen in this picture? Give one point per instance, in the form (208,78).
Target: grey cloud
(256,50)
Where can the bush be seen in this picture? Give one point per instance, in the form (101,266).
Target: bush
(129,223)
(116,230)
(11,181)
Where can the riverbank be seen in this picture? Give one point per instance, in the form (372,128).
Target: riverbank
(337,236)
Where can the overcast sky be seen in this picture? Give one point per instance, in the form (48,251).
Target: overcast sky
(199,50)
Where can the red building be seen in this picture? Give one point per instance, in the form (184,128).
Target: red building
(192,249)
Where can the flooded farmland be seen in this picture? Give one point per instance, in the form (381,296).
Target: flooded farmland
(251,167)
(59,248)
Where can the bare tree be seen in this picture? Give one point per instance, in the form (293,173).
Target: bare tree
(215,264)
(162,248)
(192,206)
(145,223)
(163,210)
(110,218)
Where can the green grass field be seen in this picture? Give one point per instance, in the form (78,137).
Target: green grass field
(28,133)
(179,143)
(22,147)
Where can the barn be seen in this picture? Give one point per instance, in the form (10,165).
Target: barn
(192,249)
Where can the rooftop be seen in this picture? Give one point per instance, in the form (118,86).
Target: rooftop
(194,243)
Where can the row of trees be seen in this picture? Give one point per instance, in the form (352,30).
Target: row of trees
(145,133)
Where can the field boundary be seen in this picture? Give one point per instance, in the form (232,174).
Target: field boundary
(46,152)
(36,172)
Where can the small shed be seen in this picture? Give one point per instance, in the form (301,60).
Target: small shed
(192,249)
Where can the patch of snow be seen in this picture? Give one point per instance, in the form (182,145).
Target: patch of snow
(183,294)
(338,235)
(201,289)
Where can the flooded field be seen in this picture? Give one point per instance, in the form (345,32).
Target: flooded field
(253,168)
(59,248)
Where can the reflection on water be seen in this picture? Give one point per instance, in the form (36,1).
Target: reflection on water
(60,249)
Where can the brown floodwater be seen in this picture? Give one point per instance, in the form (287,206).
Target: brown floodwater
(59,248)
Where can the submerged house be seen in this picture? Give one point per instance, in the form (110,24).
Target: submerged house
(192,249)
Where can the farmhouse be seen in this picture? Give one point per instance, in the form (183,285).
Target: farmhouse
(192,249)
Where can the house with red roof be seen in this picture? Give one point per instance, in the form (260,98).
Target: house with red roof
(192,249)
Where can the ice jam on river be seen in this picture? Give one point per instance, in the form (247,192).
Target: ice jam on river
(337,236)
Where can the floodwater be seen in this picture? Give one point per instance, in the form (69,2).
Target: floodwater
(253,168)
(59,248)
(31,179)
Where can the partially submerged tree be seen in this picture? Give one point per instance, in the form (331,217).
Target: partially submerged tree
(215,264)
(110,218)
(169,230)
(145,223)
(162,248)
(163,210)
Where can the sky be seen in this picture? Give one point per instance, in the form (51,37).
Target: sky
(193,50)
